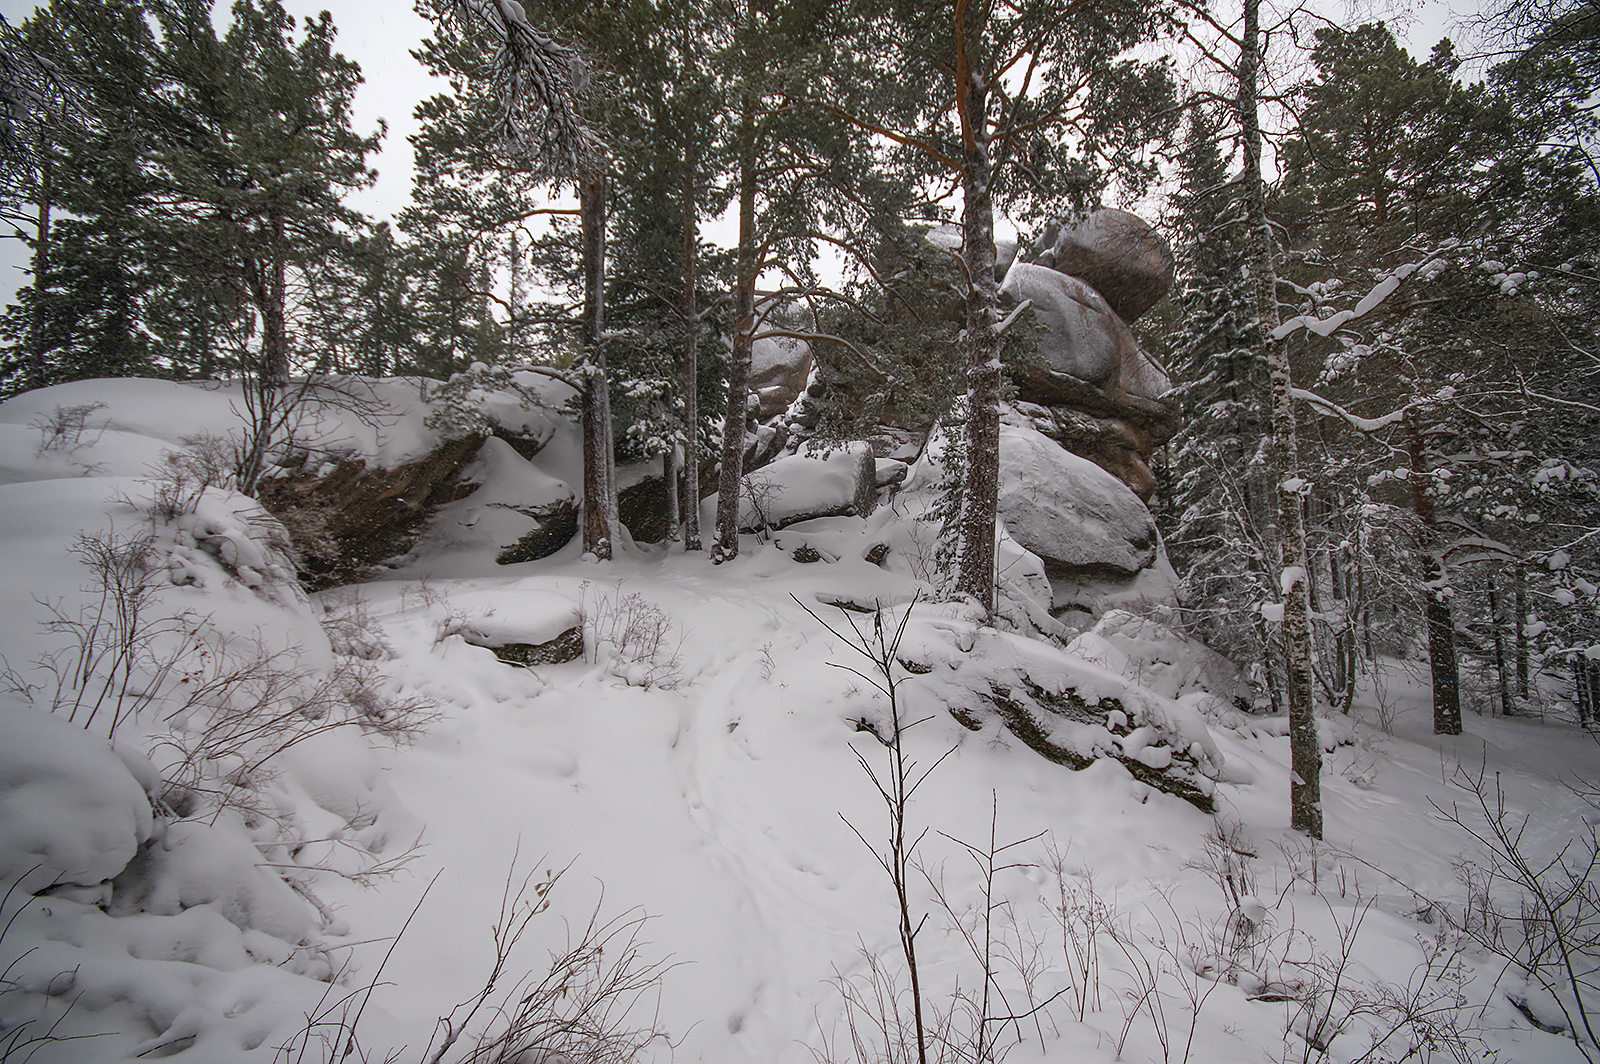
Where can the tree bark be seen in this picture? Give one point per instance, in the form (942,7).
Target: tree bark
(690,497)
(599,475)
(274,313)
(1305,751)
(1441,627)
(38,348)
(1522,636)
(1499,650)
(981,483)
(731,479)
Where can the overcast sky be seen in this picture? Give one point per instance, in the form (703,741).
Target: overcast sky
(379,35)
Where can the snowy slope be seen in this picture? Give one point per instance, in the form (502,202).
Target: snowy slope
(709,763)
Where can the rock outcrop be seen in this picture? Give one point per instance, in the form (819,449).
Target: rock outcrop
(346,520)
(779,367)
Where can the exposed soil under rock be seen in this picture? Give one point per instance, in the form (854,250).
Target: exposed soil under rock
(642,507)
(553,528)
(568,646)
(351,518)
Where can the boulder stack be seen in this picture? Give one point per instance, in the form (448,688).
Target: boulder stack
(1100,394)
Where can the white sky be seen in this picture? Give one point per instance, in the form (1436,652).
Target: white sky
(379,35)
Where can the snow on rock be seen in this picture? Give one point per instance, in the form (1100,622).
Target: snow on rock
(1167,662)
(71,811)
(795,488)
(1069,511)
(513,498)
(1067,709)
(521,615)
(779,366)
(214,864)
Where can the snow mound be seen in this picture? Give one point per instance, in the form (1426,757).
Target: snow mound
(71,811)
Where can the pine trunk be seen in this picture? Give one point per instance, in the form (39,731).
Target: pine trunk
(1522,636)
(36,374)
(690,495)
(731,479)
(274,325)
(599,477)
(1441,627)
(1500,672)
(1305,751)
(981,486)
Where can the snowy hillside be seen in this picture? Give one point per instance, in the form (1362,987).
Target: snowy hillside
(241,823)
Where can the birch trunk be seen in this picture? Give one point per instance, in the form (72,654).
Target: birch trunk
(599,476)
(1305,751)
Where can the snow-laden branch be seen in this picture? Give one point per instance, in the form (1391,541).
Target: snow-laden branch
(1381,291)
(1011,318)
(1355,421)
(543,84)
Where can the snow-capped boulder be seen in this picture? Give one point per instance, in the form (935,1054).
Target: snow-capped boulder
(1068,710)
(1067,510)
(799,487)
(1118,254)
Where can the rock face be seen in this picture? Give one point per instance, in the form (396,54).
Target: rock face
(345,521)
(1079,519)
(1118,254)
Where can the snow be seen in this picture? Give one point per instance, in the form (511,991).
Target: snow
(71,812)
(708,778)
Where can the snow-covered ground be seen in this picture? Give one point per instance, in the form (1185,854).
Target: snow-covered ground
(704,779)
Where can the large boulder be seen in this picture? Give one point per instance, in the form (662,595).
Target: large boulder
(801,487)
(779,366)
(1074,515)
(1120,446)
(1084,337)
(1118,254)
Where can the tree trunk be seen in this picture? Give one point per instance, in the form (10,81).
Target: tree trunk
(1305,751)
(690,496)
(36,373)
(1441,627)
(981,483)
(599,476)
(1501,675)
(274,324)
(1522,636)
(731,479)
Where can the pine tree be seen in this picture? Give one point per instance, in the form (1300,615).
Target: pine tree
(1027,108)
